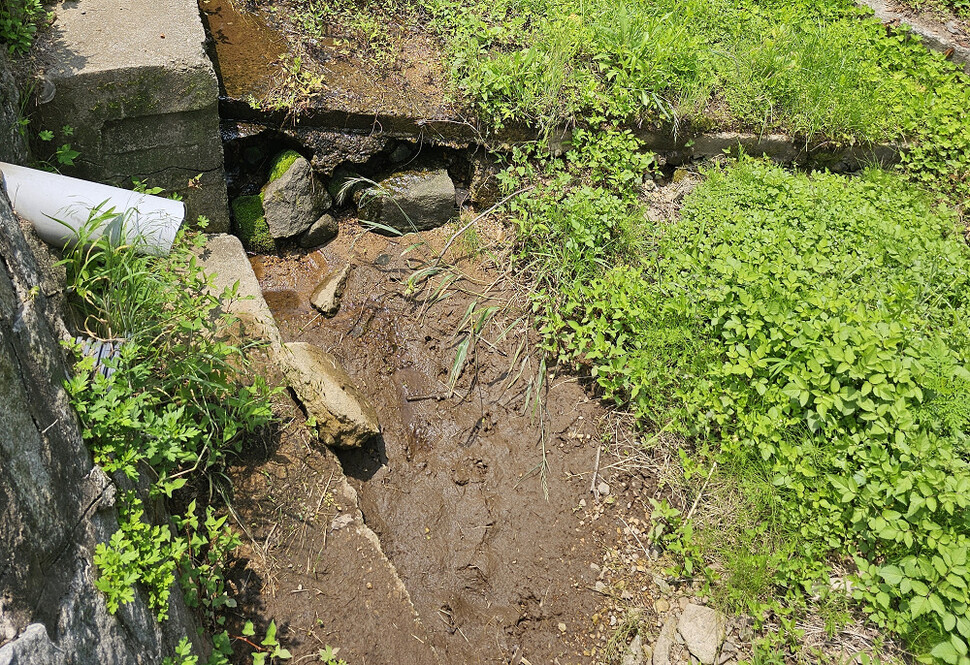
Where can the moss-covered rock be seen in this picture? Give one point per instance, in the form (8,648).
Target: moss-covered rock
(251,226)
(282,163)
(293,199)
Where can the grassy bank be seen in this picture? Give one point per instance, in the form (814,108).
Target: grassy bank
(821,70)
(163,415)
(807,335)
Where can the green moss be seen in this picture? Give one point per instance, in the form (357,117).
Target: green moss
(251,226)
(282,162)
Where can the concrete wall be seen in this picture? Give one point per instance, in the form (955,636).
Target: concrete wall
(135,83)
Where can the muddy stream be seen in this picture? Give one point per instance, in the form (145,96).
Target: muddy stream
(453,487)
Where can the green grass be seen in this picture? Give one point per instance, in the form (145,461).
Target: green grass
(809,336)
(174,404)
(820,70)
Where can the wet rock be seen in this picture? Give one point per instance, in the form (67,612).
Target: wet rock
(332,148)
(323,231)
(326,297)
(293,199)
(401,152)
(410,201)
(344,416)
(636,653)
(703,631)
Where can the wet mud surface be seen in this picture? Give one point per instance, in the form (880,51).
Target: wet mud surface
(305,562)
(497,567)
(248,50)
(254,50)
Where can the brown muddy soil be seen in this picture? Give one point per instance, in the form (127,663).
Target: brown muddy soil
(306,562)
(497,568)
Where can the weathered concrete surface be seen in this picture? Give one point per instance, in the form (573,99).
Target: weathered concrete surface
(55,505)
(935,36)
(135,83)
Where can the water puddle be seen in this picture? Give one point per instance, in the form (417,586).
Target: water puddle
(247,49)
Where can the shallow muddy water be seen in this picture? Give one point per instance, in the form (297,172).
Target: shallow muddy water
(247,48)
(452,488)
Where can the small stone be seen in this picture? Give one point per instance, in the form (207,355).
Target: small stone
(600,587)
(603,489)
(636,653)
(323,231)
(370,586)
(562,627)
(661,606)
(340,521)
(703,631)
(595,568)
(326,297)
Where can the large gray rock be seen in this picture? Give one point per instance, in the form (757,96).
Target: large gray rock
(31,646)
(135,83)
(13,147)
(344,416)
(294,200)
(410,201)
(703,631)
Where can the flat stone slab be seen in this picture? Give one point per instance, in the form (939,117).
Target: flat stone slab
(703,631)
(224,258)
(345,418)
(135,83)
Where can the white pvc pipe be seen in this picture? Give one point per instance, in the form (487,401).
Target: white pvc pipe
(58,206)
